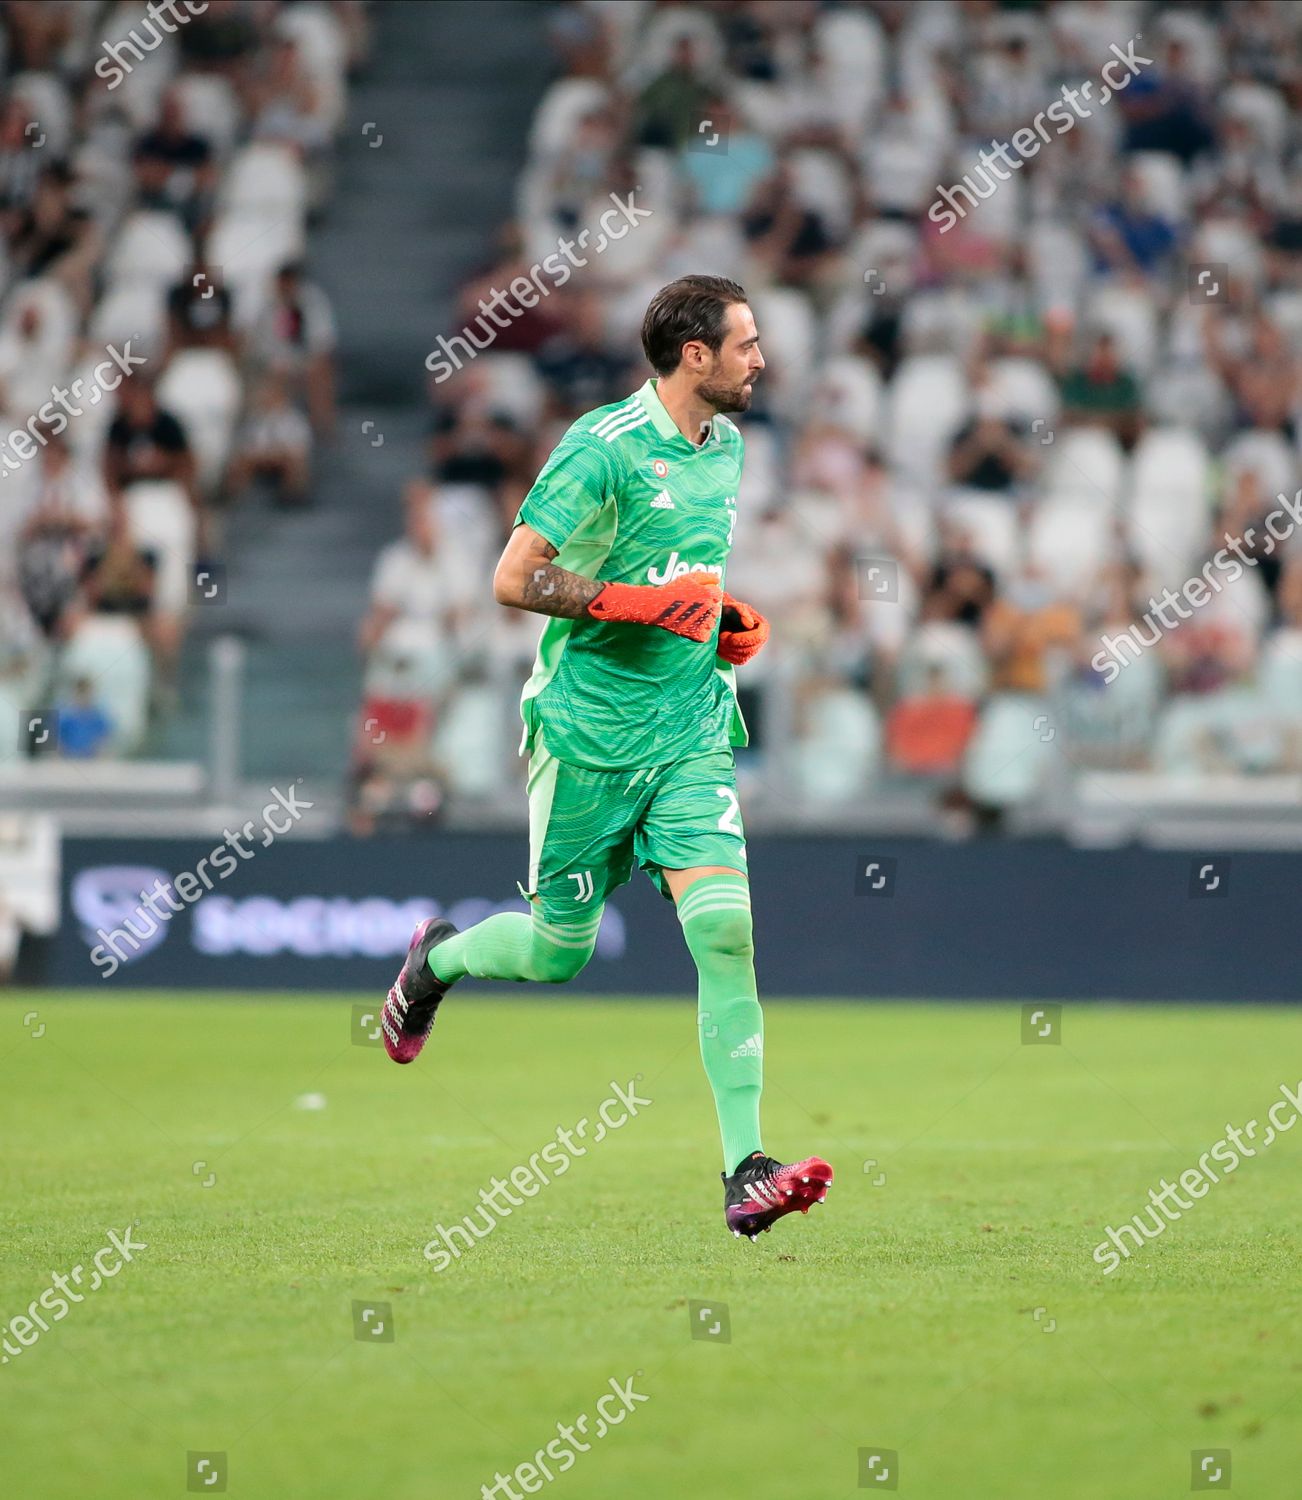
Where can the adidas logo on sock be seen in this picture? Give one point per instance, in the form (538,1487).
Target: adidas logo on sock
(753,1046)
(663,501)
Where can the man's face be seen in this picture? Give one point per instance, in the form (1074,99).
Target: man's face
(728,376)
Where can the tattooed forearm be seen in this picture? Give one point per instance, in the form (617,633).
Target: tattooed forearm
(527,578)
(549,590)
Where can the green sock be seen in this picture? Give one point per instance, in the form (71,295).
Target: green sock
(715,916)
(513,945)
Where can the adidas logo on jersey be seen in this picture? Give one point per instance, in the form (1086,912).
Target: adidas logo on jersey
(753,1046)
(663,501)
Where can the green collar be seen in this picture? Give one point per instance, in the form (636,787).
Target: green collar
(664,423)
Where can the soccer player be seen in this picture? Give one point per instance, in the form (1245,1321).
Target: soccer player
(631,714)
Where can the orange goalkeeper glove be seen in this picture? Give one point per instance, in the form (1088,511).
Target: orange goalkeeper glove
(688,607)
(742,631)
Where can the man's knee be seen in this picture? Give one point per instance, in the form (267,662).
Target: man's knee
(555,965)
(722,934)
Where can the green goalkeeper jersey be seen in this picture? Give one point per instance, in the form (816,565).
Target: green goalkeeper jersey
(626,498)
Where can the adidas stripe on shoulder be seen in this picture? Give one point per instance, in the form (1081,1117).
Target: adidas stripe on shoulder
(621,419)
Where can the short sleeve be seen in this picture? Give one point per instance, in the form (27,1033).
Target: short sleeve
(388,580)
(579,477)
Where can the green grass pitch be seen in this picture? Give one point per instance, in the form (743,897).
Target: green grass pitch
(943,1304)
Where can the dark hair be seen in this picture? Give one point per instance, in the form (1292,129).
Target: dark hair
(691,309)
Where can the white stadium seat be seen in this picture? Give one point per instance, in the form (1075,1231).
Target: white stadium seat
(789,341)
(557,117)
(134,311)
(249,249)
(1007,759)
(992,526)
(152,247)
(202,388)
(160,517)
(849,395)
(211,109)
(1086,463)
(953,649)
(265,177)
(1027,393)
(1071,539)
(926,405)
(109,651)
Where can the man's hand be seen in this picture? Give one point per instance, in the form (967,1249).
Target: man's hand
(742,631)
(688,607)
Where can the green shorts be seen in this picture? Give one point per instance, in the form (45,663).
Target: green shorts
(586,828)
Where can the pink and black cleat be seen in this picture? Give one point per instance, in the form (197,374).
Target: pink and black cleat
(762,1190)
(408,1013)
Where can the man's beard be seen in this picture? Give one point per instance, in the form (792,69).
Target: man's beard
(725,397)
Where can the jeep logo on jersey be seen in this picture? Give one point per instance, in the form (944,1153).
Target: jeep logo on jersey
(676,567)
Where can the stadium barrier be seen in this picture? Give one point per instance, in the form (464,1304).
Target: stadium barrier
(834,917)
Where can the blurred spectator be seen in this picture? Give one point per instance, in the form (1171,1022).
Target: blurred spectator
(36,339)
(199,312)
(961,589)
(418,595)
(21,163)
(275,446)
(1101,391)
(787,238)
(145,441)
(1263,373)
(287,104)
(1166,109)
(1130,236)
(1243,518)
(580,365)
(84,728)
(417,581)
(295,337)
(1023,627)
(724,178)
(672,106)
(988,453)
(174,166)
(579,169)
(927,734)
(472,441)
(52,236)
(533,326)
(119,575)
(66,512)
(220,38)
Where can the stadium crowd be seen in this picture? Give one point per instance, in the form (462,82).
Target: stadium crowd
(161,350)
(1010,397)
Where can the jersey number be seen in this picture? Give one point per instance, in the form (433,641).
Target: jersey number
(728,822)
